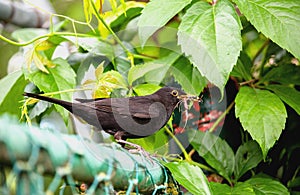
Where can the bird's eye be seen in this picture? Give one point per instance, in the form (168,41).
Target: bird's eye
(174,93)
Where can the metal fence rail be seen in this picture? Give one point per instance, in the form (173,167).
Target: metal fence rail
(105,168)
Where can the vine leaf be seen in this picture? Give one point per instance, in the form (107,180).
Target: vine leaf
(11,92)
(284,74)
(267,186)
(35,55)
(106,82)
(188,76)
(145,89)
(280,21)
(59,78)
(262,114)
(190,176)
(204,36)
(120,17)
(88,8)
(243,67)
(156,14)
(288,94)
(250,187)
(215,151)
(247,157)
(156,68)
(239,188)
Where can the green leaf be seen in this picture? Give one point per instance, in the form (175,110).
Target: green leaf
(190,177)
(145,89)
(284,73)
(247,157)
(12,88)
(107,82)
(294,182)
(88,8)
(121,18)
(243,67)
(158,67)
(60,78)
(204,36)
(188,76)
(215,151)
(157,76)
(121,61)
(218,188)
(288,94)
(262,114)
(156,14)
(154,144)
(238,189)
(27,34)
(94,46)
(268,186)
(278,20)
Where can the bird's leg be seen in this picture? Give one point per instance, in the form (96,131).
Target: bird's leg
(123,142)
(119,138)
(138,148)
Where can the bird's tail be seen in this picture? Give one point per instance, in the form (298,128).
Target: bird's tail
(65,104)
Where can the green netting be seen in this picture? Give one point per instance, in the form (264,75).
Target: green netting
(29,154)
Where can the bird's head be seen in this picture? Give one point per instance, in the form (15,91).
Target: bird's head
(175,95)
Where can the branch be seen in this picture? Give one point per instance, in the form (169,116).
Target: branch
(22,15)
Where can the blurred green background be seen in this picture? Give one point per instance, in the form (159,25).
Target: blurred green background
(71,8)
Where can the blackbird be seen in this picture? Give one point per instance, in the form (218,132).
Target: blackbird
(132,117)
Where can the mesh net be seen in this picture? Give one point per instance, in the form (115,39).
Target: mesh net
(35,161)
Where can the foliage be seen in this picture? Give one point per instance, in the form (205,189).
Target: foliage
(136,48)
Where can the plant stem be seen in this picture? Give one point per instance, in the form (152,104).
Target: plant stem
(41,37)
(98,16)
(266,43)
(202,166)
(217,122)
(185,154)
(143,57)
(261,49)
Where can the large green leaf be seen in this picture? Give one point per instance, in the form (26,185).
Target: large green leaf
(211,36)
(156,143)
(288,94)
(156,68)
(218,188)
(284,73)
(94,46)
(247,157)
(188,76)
(156,14)
(61,77)
(262,114)
(145,89)
(27,34)
(267,186)
(279,20)
(11,90)
(190,177)
(243,67)
(215,151)
(238,189)
(122,17)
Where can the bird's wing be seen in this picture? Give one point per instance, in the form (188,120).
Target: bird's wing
(135,107)
(88,100)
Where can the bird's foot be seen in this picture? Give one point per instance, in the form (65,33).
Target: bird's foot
(135,149)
